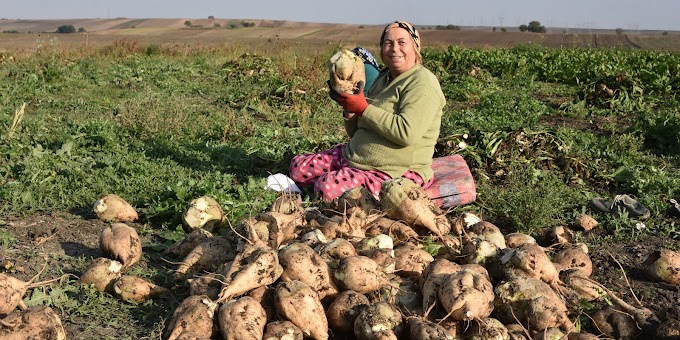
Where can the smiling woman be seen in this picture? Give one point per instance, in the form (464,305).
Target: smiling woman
(400,48)
(393,128)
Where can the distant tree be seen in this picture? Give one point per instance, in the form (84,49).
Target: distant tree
(362,26)
(523,28)
(664,33)
(66,29)
(187,23)
(493,29)
(211,17)
(619,30)
(448,27)
(536,27)
(216,25)
(503,29)
(81,29)
(247,24)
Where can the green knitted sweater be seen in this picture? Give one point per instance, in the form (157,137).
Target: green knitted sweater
(398,130)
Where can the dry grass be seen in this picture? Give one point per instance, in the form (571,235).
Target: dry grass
(174,31)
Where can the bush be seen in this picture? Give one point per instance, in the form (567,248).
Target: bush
(449,27)
(619,30)
(187,23)
(81,30)
(66,29)
(536,27)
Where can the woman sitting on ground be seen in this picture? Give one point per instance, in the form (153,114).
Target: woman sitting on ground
(393,129)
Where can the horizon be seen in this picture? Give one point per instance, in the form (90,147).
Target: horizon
(430,26)
(629,15)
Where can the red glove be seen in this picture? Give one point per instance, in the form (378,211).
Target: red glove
(352,103)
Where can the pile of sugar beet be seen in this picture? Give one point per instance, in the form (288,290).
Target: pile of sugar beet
(356,268)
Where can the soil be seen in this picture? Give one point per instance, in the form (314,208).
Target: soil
(173,32)
(64,240)
(65,244)
(618,266)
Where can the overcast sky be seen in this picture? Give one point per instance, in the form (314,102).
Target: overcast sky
(627,14)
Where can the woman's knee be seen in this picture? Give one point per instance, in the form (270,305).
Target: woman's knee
(332,185)
(298,170)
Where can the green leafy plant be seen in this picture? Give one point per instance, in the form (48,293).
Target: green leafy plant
(7,239)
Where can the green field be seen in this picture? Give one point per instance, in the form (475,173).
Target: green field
(160,126)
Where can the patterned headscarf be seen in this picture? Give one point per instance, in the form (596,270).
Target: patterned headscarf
(366,56)
(412,31)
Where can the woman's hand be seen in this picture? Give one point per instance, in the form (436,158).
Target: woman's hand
(352,103)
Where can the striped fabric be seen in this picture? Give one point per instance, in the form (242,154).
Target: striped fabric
(453,184)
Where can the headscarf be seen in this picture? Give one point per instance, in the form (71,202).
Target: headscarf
(366,56)
(412,31)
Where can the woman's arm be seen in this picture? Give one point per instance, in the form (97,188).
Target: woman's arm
(350,121)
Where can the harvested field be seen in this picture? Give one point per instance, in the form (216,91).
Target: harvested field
(210,31)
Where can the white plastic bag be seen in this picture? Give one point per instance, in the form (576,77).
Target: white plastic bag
(281,182)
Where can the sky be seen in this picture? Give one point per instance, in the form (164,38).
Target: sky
(594,14)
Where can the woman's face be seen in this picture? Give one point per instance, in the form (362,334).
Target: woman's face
(398,51)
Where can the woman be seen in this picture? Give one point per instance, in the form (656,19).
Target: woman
(392,133)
